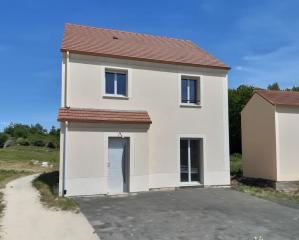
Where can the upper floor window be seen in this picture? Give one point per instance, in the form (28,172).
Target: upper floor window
(116,83)
(190,93)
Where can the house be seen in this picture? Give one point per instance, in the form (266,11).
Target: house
(140,112)
(270,138)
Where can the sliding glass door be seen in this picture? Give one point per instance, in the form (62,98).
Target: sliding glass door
(190,160)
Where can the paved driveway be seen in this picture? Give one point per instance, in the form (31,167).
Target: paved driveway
(190,214)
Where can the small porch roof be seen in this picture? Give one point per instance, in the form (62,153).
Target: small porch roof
(103,116)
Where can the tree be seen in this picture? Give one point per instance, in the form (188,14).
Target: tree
(38,129)
(295,88)
(237,99)
(274,86)
(3,139)
(54,131)
(17,130)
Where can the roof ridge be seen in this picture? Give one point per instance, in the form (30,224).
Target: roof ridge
(139,34)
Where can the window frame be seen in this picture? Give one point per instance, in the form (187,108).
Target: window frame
(199,87)
(112,69)
(202,167)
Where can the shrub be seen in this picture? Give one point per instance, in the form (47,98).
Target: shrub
(23,142)
(39,143)
(3,139)
(50,145)
(236,164)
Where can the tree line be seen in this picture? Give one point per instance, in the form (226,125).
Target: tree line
(29,135)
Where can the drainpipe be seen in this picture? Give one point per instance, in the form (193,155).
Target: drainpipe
(65,81)
(67,76)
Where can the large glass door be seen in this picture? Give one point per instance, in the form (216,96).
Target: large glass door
(190,160)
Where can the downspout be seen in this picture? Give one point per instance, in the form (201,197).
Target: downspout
(67,76)
(65,105)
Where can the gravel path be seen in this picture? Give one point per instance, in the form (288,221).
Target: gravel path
(27,219)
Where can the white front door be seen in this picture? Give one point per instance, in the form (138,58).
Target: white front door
(117,165)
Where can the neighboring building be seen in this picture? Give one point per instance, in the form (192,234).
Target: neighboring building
(270,138)
(140,112)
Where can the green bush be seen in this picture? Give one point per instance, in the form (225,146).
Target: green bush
(3,139)
(50,145)
(39,143)
(23,142)
(236,164)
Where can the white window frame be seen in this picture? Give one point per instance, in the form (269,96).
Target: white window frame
(115,69)
(203,166)
(199,87)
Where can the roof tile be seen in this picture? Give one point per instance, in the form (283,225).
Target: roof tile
(103,116)
(119,44)
(287,98)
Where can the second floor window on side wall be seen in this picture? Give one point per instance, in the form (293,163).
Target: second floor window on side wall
(116,83)
(189,91)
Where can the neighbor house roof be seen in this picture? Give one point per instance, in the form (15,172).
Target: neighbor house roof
(119,44)
(103,116)
(287,98)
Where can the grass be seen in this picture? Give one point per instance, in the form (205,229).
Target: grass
(47,185)
(269,193)
(240,184)
(21,157)
(5,177)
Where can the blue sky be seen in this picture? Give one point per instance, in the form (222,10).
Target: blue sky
(259,39)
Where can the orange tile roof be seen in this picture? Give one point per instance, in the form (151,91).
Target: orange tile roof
(119,44)
(287,98)
(103,116)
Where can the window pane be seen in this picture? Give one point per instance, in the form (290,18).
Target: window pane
(121,84)
(195,159)
(109,83)
(192,87)
(184,160)
(184,91)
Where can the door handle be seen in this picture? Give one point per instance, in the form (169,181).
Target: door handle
(108,164)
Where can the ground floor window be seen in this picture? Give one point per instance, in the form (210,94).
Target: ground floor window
(190,156)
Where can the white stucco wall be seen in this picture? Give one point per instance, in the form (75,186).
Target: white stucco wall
(156,89)
(288,142)
(259,139)
(87,156)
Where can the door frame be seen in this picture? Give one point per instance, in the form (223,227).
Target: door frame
(130,157)
(203,165)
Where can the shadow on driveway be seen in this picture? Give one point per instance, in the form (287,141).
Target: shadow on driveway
(190,214)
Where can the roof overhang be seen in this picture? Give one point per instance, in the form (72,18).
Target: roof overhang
(63,50)
(103,116)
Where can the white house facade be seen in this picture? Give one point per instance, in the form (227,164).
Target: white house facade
(140,112)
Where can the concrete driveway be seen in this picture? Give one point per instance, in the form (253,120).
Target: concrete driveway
(190,214)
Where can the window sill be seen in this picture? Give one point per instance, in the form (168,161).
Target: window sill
(192,105)
(116,97)
(190,184)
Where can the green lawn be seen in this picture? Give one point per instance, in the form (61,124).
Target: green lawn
(22,157)
(28,153)
(17,161)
